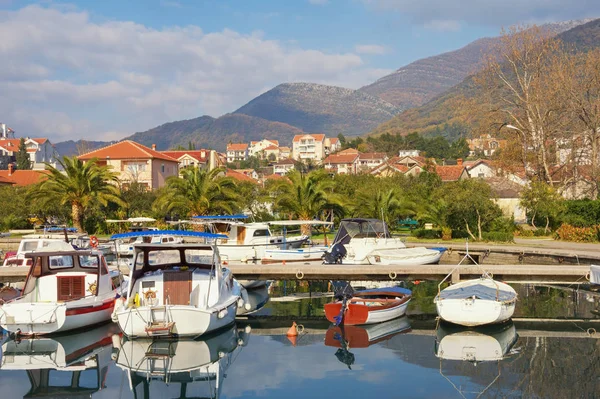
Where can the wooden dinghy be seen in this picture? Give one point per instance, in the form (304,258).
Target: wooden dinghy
(367,306)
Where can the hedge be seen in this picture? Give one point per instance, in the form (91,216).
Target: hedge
(497,236)
(427,233)
(567,232)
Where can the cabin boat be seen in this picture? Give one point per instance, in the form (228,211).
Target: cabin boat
(305,253)
(29,245)
(177,290)
(180,368)
(367,306)
(246,241)
(125,242)
(70,365)
(475,302)
(481,344)
(64,290)
(368,241)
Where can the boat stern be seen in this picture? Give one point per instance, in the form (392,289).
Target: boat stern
(33,318)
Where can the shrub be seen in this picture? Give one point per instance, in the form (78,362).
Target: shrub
(423,233)
(497,236)
(541,232)
(567,232)
(524,232)
(582,213)
(446,233)
(460,234)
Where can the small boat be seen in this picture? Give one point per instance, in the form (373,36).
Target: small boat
(64,290)
(368,241)
(475,302)
(305,253)
(125,242)
(178,290)
(367,306)
(29,245)
(481,344)
(364,336)
(180,368)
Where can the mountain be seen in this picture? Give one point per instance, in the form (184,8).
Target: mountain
(215,133)
(318,108)
(416,83)
(446,108)
(70,147)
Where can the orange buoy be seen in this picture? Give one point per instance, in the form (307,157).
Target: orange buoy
(293,330)
(293,340)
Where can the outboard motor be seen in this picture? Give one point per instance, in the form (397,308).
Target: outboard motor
(342,291)
(335,254)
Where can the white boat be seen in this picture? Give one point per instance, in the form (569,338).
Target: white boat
(304,253)
(594,274)
(177,290)
(254,300)
(246,241)
(29,245)
(488,343)
(368,241)
(366,335)
(64,290)
(180,368)
(124,243)
(475,302)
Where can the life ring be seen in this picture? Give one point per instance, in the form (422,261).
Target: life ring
(393,275)
(94,242)
(299,275)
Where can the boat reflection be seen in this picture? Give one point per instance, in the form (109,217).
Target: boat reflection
(352,336)
(197,366)
(69,365)
(254,300)
(481,344)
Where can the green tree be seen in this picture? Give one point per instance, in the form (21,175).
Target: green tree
(23,160)
(379,203)
(198,192)
(139,199)
(307,196)
(80,185)
(541,201)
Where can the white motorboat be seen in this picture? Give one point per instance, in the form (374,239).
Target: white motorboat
(124,243)
(29,245)
(246,241)
(70,365)
(475,302)
(178,290)
(488,343)
(368,241)
(182,368)
(64,290)
(304,253)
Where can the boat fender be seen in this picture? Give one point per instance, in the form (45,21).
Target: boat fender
(222,313)
(136,300)
(299,275)
(94,242)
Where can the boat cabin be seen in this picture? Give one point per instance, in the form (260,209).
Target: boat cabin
(28,245)
(361,228)
(62,276)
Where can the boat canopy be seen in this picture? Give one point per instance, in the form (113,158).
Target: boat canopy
(182,233)
(220,217)
(361,228)
(298,222)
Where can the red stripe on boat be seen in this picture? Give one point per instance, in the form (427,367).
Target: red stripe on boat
(355,314)
(90,309)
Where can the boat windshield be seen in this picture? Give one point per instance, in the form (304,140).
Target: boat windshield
(361,228)
(170,257)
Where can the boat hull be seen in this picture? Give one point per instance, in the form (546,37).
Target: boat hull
(294,255)
(250,252)
(365,336)
(48,318)
(471,312)
(188,321)
(358,314)
(405,256)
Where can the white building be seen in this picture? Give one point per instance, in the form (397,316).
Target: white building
(257,147)
(308,147)
(237,152)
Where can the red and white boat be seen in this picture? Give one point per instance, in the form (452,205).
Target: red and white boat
(368,306)
(365,336)
(64,290)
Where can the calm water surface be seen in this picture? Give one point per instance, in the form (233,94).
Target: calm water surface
(406,358)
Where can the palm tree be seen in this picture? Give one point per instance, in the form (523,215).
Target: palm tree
(386,205)
(79,185)
(199,192)
(307,196)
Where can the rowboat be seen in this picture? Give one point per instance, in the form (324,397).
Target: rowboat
(64,290)
(367,306)
(178,290)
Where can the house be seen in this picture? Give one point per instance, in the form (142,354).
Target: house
(331,145)
(285,152)
(196,158)
(40,151)
(134,162)
(485,144)
(481,168)
(239,176)
(508,198)
(408,153)
(390,168)
(258,148)
(283,167)
(21,177)
(369,160)
(411,160)
(449,173)
(248,172)
(237,152)
(346,163)
(308,147)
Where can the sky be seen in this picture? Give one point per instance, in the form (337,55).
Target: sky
(103,70)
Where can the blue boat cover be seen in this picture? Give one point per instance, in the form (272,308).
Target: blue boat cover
(182,233)
(221,217)
(399,290)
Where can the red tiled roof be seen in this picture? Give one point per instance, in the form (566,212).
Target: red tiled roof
(40,140)
(238,176)
(126,149)
(340,159)
(317,137)
(5,181)
(348,151)
(333,140)
(284,149)
(237,147)
(24,177)
(397,167)
(196,154)
(449,172)
(272,148)
(10,144)
(274,177)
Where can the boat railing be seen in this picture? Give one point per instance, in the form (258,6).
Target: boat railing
(484,273)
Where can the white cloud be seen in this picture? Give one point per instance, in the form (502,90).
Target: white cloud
(443,26)
(495,13)
(68,76)
(375,49)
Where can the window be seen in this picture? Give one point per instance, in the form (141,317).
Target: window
(134,167)
(261,233)
(162,168)
(89,261)
(60,261)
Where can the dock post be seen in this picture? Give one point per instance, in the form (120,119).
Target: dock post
(456,276)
